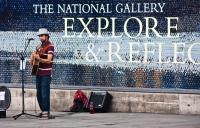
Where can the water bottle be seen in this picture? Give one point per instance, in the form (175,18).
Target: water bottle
(92,108)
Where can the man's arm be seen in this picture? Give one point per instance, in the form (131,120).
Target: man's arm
(48,60)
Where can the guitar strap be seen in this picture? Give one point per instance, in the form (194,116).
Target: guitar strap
(42,50)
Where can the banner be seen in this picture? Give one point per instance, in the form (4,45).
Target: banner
(106,43)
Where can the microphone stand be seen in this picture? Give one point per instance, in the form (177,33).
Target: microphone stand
(22,58)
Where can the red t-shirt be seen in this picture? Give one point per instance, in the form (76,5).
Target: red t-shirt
(45,49)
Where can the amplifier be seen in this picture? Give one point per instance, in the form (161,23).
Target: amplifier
(101,101)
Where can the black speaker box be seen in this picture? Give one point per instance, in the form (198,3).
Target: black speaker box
(2,113)
(101,100)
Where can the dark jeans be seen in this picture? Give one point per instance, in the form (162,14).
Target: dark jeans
(43,92)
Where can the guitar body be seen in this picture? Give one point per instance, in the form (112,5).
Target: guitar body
(35,67)
(36,63)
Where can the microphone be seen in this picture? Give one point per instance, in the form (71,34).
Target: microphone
(30,39)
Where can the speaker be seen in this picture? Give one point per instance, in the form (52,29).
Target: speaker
(5,100)
(101,100)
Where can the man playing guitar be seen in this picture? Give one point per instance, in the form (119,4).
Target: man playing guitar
(43,56)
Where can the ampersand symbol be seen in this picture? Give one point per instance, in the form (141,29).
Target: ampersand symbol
(91,52)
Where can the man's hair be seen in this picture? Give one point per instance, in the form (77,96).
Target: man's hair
(47,36)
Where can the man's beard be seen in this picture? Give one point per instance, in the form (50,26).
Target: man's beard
(43,41)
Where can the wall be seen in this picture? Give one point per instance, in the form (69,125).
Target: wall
(170,103)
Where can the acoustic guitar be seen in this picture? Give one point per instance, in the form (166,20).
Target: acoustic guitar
(35,66)
(36,63)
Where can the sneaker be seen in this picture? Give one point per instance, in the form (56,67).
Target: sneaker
(46,115)
(39,114)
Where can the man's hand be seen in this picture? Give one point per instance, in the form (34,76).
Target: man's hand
(37,57)
(32,58)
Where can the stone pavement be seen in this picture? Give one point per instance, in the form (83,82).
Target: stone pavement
(103,120)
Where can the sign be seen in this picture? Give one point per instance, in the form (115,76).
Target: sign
(2,95)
